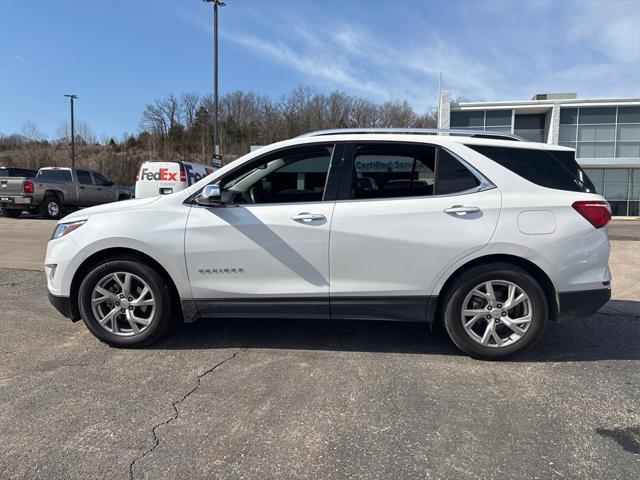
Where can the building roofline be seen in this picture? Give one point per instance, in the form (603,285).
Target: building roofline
(550,102)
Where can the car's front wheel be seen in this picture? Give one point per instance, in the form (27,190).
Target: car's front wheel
(495,311)
(125,303)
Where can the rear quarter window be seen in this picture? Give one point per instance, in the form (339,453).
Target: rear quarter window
(451,176)
(547,168)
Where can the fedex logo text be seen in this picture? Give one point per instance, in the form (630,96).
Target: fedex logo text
(194,176)
(162,174)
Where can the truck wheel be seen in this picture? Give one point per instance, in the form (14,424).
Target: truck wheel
(50,208)
(11,212)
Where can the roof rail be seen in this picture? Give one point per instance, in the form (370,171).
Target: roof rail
(418,131)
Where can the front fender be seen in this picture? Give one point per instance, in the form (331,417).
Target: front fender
(159,234)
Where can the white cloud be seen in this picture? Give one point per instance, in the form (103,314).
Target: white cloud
(320,66)
(613,28)
(495,50)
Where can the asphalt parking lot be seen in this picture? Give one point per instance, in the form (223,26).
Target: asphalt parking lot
(303,399)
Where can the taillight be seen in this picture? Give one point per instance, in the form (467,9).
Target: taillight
(27,186)
(597,212)
(183,175)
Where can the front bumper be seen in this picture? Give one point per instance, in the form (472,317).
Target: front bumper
(582,303)
(63,305)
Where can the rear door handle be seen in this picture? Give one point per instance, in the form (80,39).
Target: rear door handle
(81,188)
(461,210)
(306,217)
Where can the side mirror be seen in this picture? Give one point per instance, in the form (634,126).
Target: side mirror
(111,183)
(210,196)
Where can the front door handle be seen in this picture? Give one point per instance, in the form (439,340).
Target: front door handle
(461,210)
(306,217)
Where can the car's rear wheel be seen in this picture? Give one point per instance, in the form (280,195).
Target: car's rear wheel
(495,311)
(125,303)
(51,208)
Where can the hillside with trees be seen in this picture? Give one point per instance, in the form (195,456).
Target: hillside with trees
(180,128)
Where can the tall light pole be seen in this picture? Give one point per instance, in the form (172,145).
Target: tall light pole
(438,124)
(217,158)
(73,135)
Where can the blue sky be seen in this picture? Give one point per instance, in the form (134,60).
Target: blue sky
(119,55)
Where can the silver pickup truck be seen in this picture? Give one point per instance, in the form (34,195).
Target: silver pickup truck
(54,190)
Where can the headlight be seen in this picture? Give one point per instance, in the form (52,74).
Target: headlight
(64,228)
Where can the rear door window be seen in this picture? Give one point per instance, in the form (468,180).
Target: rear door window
(388,170)
(551,169)
(384,170)
(84,177)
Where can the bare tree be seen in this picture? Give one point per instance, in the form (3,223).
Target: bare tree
(189,103)
(63,133)
(32,133)
(181,127)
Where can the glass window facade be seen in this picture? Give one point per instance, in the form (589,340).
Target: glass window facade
(488,120)
(530,126)
(601,132)
(620,186)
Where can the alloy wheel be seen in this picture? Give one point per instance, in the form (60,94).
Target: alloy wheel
(123,303)
(53,209)
(496,313)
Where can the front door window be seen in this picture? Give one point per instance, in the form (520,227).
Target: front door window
(293,176)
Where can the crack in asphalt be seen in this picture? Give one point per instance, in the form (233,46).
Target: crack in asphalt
(176,413)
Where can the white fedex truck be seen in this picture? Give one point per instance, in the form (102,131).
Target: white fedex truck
(163,178)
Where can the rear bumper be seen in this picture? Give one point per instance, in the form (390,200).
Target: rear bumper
(15,201)
(582,303)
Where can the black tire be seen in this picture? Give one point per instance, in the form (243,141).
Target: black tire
(49,205)
(475,276)
(162,319)
(11,212)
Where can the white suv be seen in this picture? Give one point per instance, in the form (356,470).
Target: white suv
(486,233)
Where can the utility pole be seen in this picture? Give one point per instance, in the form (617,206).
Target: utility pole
(217,158)
(439,98)
(73,136)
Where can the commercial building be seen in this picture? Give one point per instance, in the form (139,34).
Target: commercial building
(605,132)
